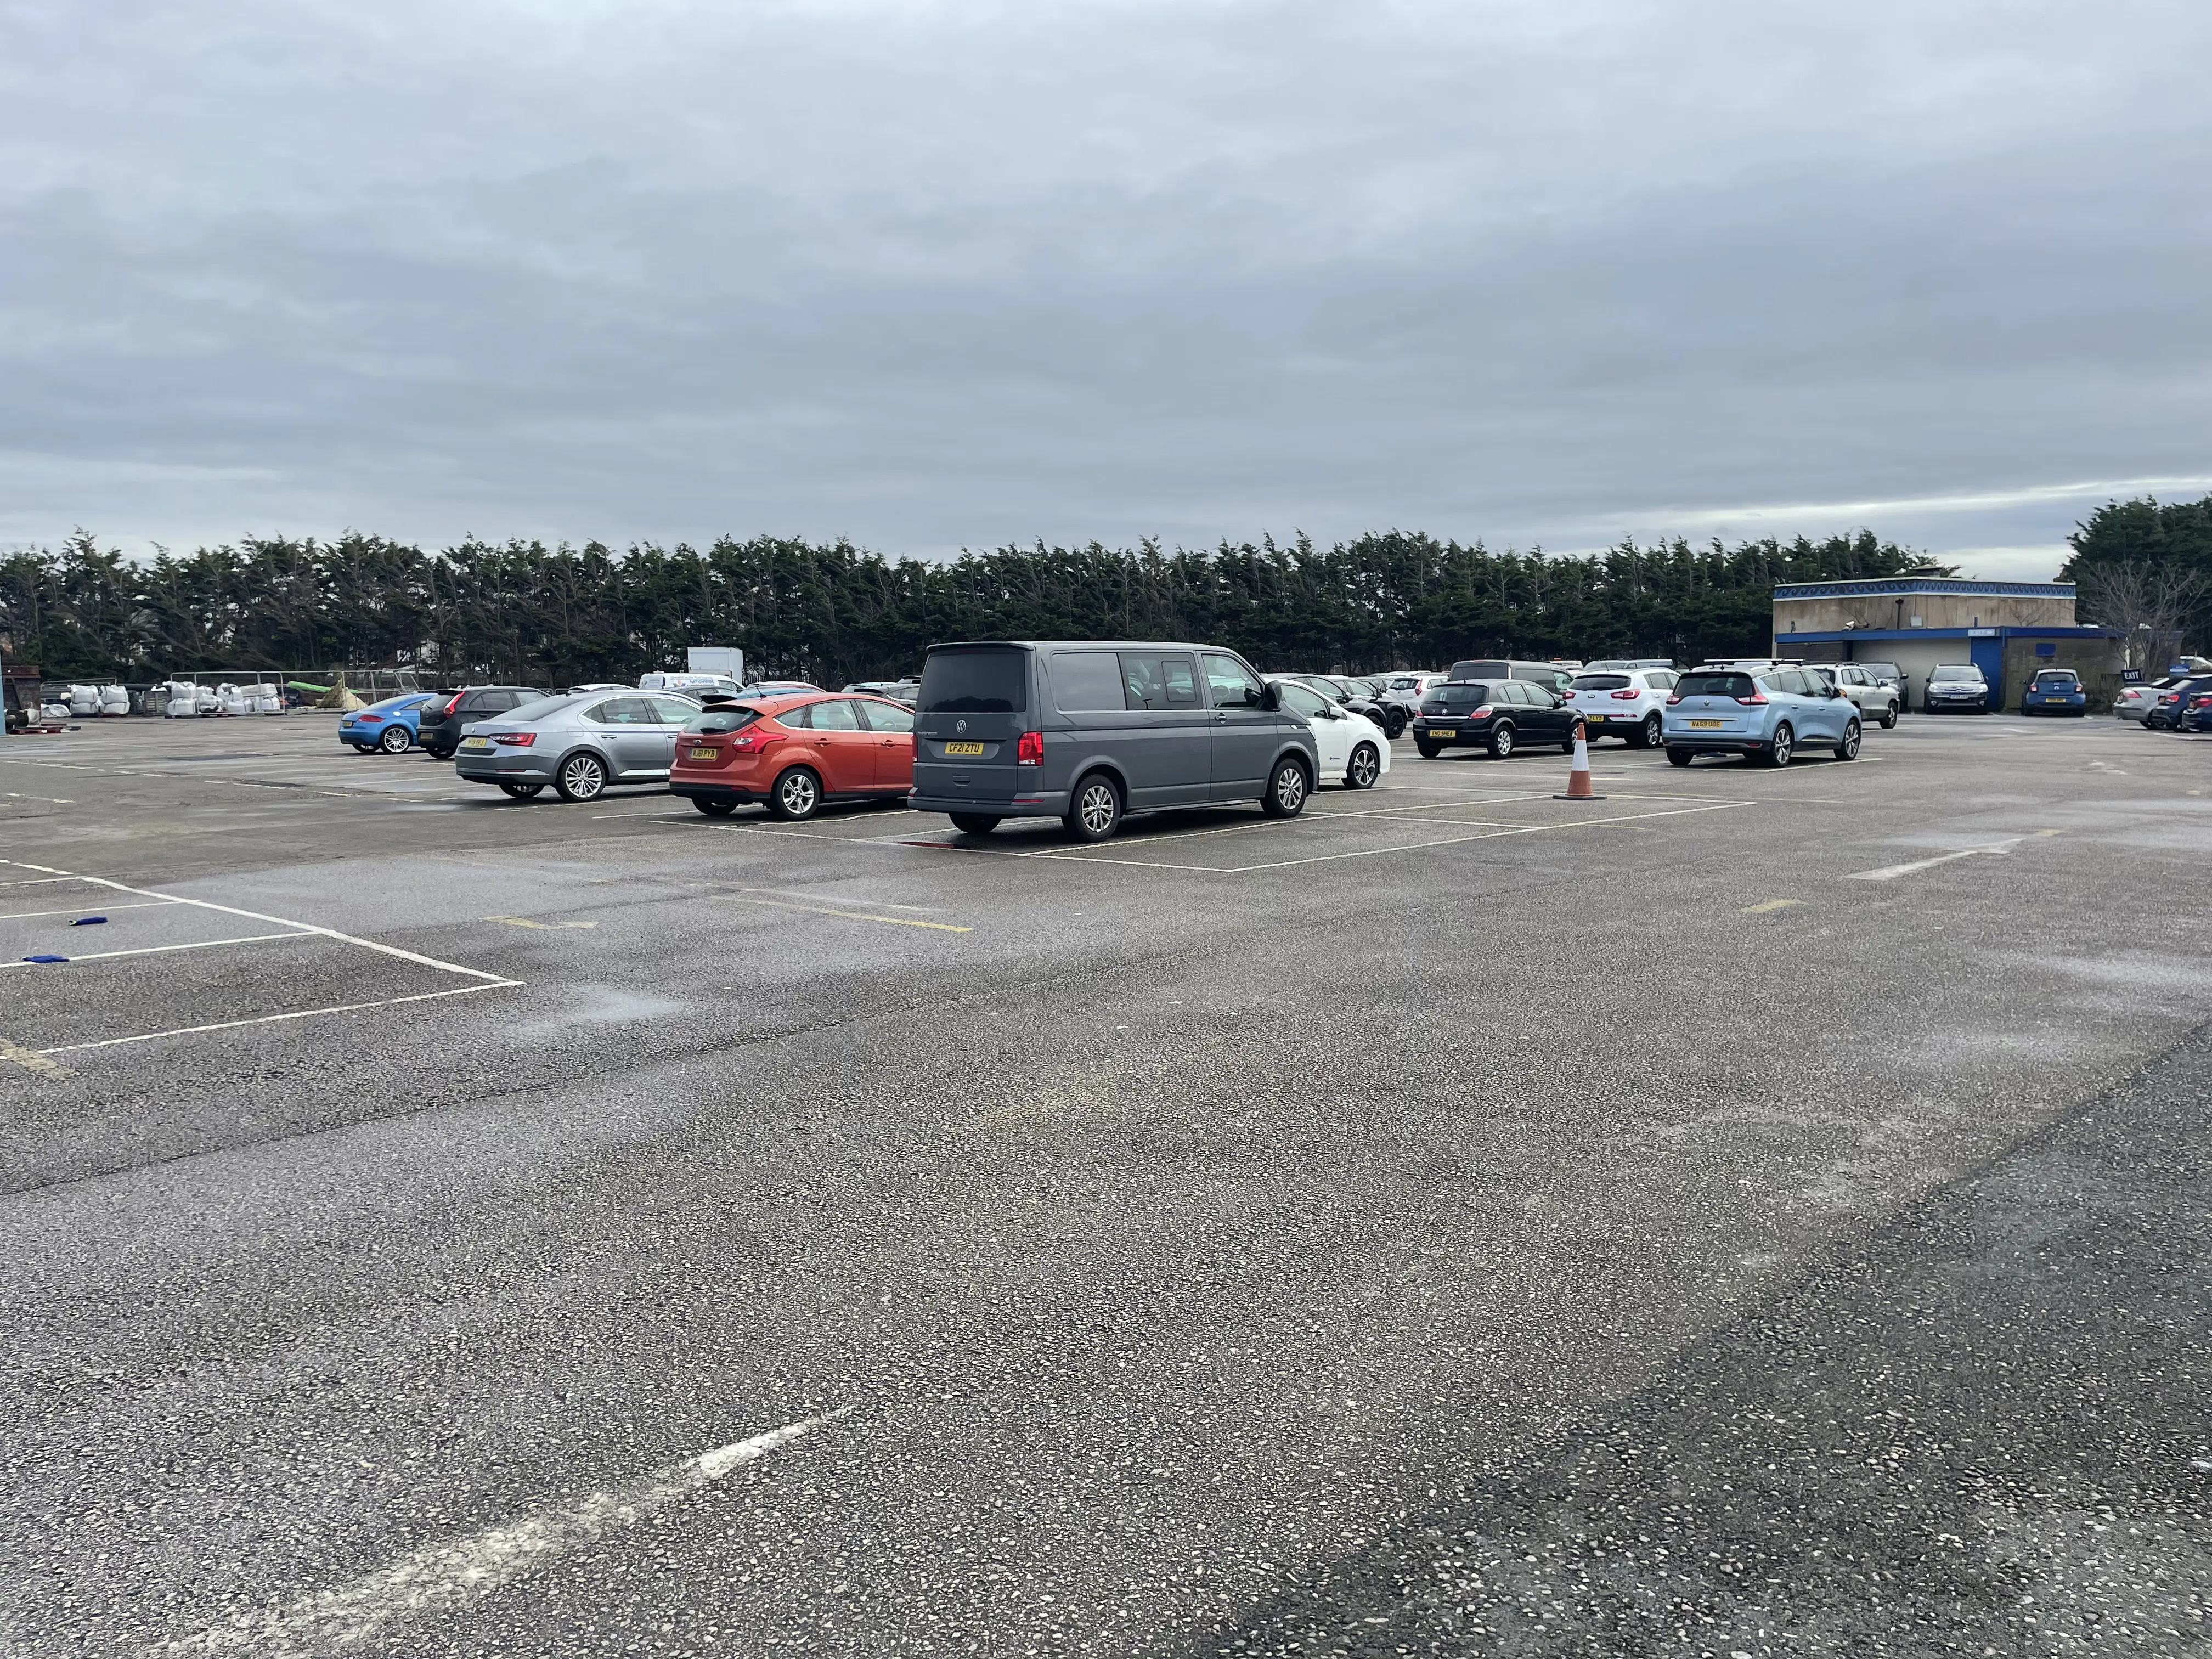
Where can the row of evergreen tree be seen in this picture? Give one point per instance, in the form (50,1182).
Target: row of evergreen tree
(531,614)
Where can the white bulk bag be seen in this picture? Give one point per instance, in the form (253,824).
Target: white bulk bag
(114,700)
(84,700)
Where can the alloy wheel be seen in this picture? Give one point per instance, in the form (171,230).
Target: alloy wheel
(797,794)
(1365,767)
(582,778)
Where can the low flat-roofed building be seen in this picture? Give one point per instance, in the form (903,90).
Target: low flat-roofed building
(2008,629)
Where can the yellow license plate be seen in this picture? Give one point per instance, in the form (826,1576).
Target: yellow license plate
(1707,725)
(700,754)
(1594,720)
(964,748)
(475,742)
(1434,732)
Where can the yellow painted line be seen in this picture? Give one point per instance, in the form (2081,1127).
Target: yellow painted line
(542,927)
(1764,905)
(32,1061)
(746,897)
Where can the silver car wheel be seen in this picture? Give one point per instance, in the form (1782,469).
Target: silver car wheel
(1848,747)
(1097,807)
(394,740)
(1366,766)
(1784,741)
(1290,788)
(582,778)
(797,793)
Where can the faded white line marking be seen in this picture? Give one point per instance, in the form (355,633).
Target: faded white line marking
(748,897)
(542,927)
(1891,872)
(1766,905)
(272,1019)
(32,1061)
(441,1578)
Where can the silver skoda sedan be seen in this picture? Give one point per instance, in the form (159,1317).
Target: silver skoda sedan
(582,744)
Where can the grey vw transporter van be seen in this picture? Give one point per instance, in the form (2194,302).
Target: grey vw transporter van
(1088,731)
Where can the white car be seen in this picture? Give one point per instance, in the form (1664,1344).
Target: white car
(1407,690)
(1877,700)
(1353,748)
(2135,700)
(1626,702)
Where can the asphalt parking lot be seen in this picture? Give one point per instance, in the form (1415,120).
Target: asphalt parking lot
(1758,1212)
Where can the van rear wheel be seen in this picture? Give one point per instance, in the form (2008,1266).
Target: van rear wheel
(974,823)
(1096,811)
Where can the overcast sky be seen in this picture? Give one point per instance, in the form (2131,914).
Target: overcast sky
(935,273)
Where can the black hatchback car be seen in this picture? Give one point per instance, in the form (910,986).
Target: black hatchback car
(438,727)
(1499,715)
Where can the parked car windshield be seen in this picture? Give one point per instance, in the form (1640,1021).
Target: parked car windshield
(991,681)
(1714,685)
(1599,681)
(537,708)
(1956,673)
(724,717)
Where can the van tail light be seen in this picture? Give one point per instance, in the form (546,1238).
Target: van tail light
(1029,750)
(1629,696)
(1757,699)
(515,739)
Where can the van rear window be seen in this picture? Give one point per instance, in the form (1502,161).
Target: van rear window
(1714,685)
(993,680)
(1473,669)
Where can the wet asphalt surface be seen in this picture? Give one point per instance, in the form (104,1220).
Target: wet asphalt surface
(1456,1222)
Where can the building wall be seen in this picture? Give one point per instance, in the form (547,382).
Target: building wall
(1828,612)
(2097,662)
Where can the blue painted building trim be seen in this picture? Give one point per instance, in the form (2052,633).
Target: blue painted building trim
(1841,635)
(1893,584)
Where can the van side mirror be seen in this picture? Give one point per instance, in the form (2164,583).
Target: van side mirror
(1269,698)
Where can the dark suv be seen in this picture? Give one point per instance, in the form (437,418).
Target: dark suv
(1087,731)
(438,727)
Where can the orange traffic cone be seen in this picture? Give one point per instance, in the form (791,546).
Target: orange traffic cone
(1579,781)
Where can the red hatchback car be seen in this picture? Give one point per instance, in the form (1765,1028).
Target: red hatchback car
(793,753)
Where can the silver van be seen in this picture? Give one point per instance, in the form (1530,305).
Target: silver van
(1088,731)
(1554,678)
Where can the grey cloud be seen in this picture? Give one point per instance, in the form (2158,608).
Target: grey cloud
(932,275)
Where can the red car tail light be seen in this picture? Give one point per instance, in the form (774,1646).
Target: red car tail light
(1029,750)
(515,739)
(1629,696)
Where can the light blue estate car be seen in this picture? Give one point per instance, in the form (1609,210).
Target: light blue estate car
(389,725)
(1769,713)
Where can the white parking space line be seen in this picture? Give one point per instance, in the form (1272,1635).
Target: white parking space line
(304,927)
(272,1019)
(444,1577)
(78,909)
(1520,829)
(1891,872)
(158,950)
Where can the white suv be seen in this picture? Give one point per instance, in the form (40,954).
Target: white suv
(1623,702)
(1877,700)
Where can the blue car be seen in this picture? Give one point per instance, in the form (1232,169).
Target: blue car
(1769,713)
(2168,707)
(389,725)
(2055,691)
(2194,712)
